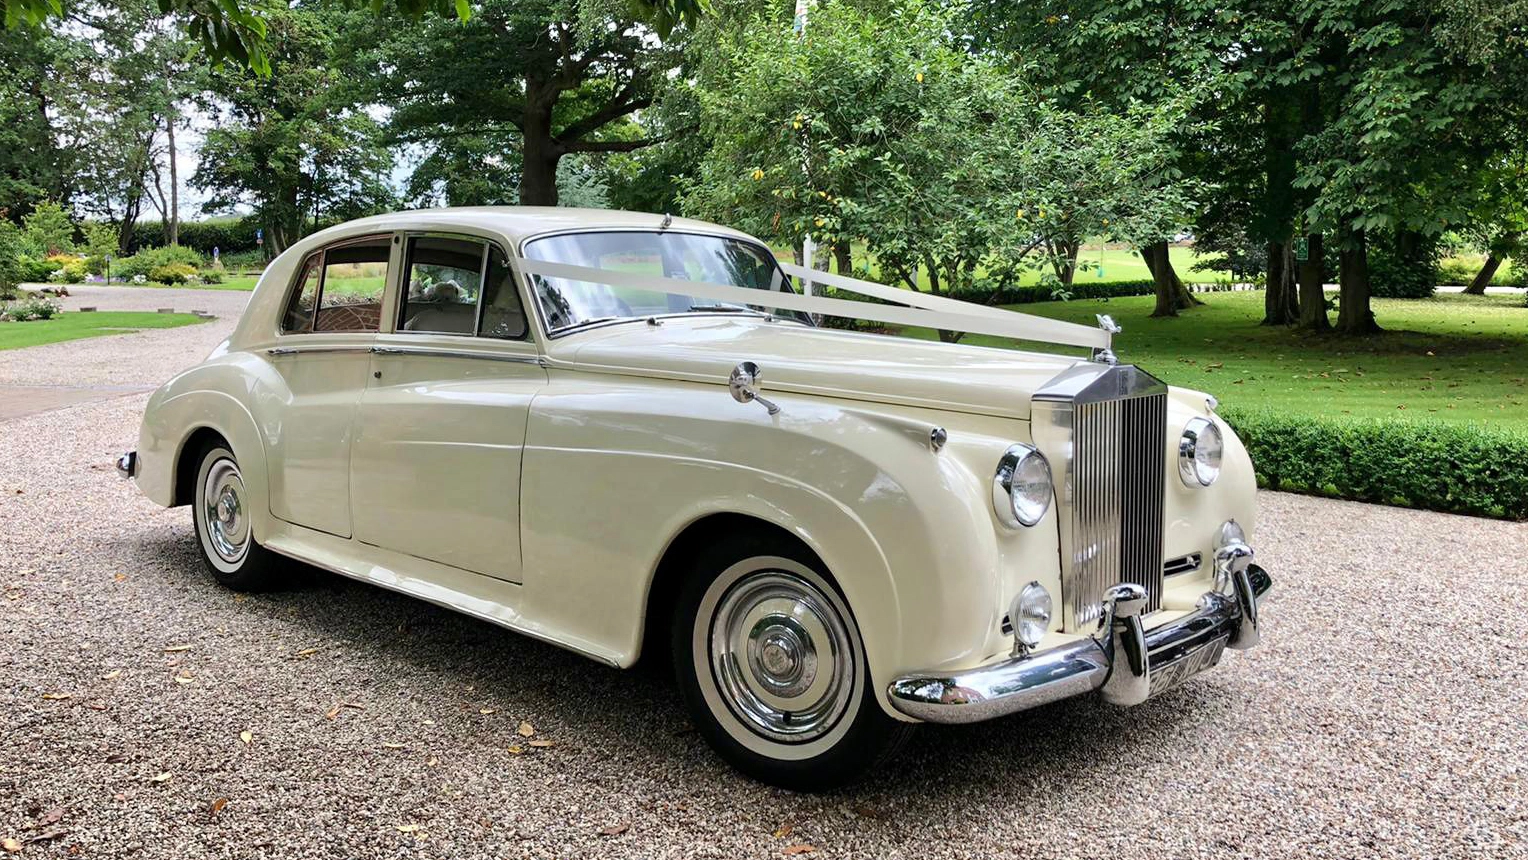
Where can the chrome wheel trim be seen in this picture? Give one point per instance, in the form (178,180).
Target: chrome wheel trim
(222,521)
(778,658)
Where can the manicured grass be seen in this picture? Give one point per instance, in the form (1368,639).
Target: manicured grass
(1452,357)
(74,325)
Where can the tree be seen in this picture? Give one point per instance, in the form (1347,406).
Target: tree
(847,133)
(534,80)
(296,146)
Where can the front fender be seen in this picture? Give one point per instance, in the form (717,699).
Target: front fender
(613,471)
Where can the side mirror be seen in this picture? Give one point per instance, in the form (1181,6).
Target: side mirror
(744,385)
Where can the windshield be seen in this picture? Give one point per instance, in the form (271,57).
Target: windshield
(689,257)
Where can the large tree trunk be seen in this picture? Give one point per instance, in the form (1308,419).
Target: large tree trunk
(1483,277)
(1063,259)
(1354,315)
(539,153)
(1280,304)
(1313,286)
(1172,295)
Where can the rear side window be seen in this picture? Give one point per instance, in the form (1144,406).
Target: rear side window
(340,289)
(460,285)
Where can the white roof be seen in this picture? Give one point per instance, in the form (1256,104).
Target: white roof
(516,223)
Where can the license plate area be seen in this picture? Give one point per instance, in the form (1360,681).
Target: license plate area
(1164,678)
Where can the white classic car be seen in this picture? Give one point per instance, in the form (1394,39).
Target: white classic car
(620,433)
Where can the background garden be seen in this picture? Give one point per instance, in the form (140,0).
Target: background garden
(1267,196)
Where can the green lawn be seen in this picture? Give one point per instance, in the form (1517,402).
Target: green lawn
(74,325)
(1454,357)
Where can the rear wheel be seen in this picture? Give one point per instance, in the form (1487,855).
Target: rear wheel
(773,670)
(223,528)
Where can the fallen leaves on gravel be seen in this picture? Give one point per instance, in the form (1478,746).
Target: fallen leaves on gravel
(176,649)
(304,653)
(121,577)
(217,806)
(184,678)
(247,737)
(10,845)
(53,816)
(56,697)
(408,828)
(800,849)
(543,744)
(784,830)
(163,777)
(526,730)
(335,711)
(616,829)
(515,749)
(486,711)
(112,675)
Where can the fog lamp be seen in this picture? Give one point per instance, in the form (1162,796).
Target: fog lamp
(1030,615)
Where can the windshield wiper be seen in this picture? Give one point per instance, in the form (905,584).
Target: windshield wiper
(594,321)
(726,309)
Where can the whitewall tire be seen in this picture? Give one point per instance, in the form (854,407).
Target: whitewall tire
(772,667)
(224,530)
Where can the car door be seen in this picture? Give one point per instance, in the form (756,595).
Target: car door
(435,469)
(323,355)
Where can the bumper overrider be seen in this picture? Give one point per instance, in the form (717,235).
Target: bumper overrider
(1124,662)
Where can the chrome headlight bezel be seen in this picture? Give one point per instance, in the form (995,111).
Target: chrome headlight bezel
(1199,458)
(1022,488)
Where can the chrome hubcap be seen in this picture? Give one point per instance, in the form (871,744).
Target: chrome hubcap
(227,526)
(781,657)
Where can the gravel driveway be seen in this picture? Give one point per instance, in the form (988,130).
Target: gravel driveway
(1386,714)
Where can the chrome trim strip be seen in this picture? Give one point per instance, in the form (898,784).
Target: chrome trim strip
(1113,659)
(455,353)
(293,350)
(1182,564)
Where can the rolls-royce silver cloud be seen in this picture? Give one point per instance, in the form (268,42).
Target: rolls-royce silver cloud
(628,434)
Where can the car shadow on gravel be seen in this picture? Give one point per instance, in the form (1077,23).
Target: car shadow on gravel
(432,652)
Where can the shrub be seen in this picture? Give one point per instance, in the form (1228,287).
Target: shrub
(29,309)
(146,261)
(10,263)
(1459,468)
(211,275)
(1457,271)
(170,274)
(66,269)
(32,270)
(1403,273)
(47,230)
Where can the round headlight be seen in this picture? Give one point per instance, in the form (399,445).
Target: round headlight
(1030,614)
(1199,453)
(1021,489)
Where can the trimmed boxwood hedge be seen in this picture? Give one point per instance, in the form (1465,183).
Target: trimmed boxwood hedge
(1458,468)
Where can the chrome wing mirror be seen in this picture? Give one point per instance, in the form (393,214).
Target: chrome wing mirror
(744,384)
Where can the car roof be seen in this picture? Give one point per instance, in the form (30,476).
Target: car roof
(518,223)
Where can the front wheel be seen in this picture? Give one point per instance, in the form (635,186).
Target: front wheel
(773,670)
(223,528)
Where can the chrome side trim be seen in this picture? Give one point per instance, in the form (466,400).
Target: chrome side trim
(456,353)
(1120,660)
(294,350)
(1182,564)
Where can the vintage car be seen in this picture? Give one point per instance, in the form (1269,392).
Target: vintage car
(625,433)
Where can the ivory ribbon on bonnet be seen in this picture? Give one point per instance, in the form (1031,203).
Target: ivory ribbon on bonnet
(910,308)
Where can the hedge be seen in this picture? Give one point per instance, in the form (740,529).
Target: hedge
(1457,468)
(229,237)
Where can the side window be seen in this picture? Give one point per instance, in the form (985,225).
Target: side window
(339,289)
(299,312)
(503,313)
(445,282)
(350,296)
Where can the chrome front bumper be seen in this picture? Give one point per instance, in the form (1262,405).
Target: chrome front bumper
(1126,663)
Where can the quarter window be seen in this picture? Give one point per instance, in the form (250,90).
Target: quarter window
(340,289)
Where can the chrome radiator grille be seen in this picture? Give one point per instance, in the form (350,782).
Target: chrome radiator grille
(1108,426)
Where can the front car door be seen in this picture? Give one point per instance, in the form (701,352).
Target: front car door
(435,468)
(323,354)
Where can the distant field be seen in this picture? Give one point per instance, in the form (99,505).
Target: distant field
(73,325)
(1452,357)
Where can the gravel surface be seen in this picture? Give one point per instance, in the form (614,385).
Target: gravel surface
(1384,715)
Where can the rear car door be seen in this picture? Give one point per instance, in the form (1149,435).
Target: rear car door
(435,469)
(323,354)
